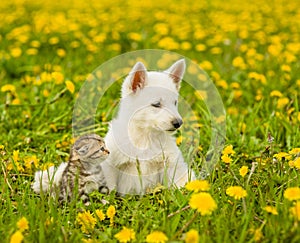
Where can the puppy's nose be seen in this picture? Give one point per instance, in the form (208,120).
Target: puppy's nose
(177,123)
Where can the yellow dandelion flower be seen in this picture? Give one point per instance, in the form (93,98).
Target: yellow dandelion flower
(8,88)
(296,163)
(161,28)
(206,65)
(243,170)
(74,44)
(236,192)
(253,75)
(238,62)
(16,157)
(282,155)
(9,166)
(237,94)
(23,224)
(35,43)
(258,235)
(226,159)
(201,94)
(125,235)
(16,52)
(135,36)
(232,111)
(192,236)
(271,210)
(286,68)
(292,193)
(291,164)
(115,47)
(215,76)
(31,160)
(216,50)
(235,85)
(17,237)
(275,50)
(186,45)
(169,43)
(200,47)
(46,93)
(276,93)
(228,150)
(32,51)
(290,111)
(16,101)
(242,127)
(156,237)
(294,151)
(282,102)
(1,147)
(111,211)
(222,83)
(53,40)
(19,167)
(61,52)
(86,221)
(295,210)
(49,221)
(46,165)
(70,86)
(203,202)
(58,77)
(100,214)
(179,140)
(198,185)
(220,119)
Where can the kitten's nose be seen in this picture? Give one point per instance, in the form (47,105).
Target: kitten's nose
(105,151)
(177,123)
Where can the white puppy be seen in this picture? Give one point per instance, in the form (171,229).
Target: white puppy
(143,152)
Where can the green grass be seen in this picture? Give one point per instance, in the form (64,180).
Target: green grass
(251,52)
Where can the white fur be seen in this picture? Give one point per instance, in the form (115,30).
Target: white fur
(142,151)
(45,180)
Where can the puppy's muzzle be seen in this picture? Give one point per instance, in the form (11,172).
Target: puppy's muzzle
(177,123)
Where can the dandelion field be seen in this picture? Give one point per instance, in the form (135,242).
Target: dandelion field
(251,53)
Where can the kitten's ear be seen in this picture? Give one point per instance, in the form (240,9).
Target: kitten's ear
(176,71)
(137,79)
(83,150)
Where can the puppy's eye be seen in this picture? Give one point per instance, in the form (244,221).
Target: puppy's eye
(156,104)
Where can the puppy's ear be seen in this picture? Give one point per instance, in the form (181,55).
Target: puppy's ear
(176,72)
(138,77)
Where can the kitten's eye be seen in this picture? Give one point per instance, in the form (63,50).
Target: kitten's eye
(175,103)
(156,104)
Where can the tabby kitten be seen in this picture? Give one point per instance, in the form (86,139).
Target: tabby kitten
(83,174)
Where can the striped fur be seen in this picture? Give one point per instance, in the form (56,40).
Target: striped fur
(81,175)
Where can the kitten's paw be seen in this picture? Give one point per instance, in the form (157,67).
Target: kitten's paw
(103,190)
